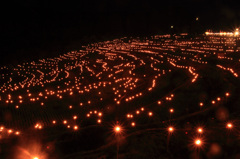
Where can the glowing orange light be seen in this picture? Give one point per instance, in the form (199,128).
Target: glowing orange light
(201,104)
(75,127)
(133,124)
(200,130)
(35,158)
(236,33)
(170,129)
(171,110)
(229,125)
(117,129)
(150,113)
(198,142)
(227,94)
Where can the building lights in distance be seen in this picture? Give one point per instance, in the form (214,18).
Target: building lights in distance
(235,33)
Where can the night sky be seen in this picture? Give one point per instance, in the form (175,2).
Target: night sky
(37,29)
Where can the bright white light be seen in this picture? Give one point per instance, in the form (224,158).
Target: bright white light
(236,33)
(117,129)
(198,142)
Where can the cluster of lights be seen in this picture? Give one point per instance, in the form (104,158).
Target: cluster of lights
(113,77)
(235,33)
(228,69)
